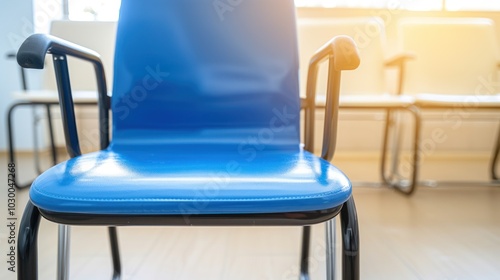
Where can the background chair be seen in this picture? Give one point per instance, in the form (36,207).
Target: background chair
(366,88)
(99,36)
(455,69)
(205,129)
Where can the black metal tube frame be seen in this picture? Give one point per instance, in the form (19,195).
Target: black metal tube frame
(10,131)
(27,248)
(24,87)
(408,190)
(32,54)
(341,54)
(496,149)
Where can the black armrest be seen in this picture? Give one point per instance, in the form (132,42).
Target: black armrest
(342,54)
(32,54)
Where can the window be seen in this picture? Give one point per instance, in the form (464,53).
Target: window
(476,5)
(416,5)
(44,12)
(377,4)
(104,10)
(107,10)
(47,10)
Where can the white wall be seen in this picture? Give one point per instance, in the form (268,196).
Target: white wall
(16,23)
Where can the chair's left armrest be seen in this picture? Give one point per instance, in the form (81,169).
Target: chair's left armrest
(342,54)
(32,54)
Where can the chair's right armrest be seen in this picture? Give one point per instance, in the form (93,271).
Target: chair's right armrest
(342,54)
(399,61)
(32,54)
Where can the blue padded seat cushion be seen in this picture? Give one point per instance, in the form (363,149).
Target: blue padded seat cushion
(147,181)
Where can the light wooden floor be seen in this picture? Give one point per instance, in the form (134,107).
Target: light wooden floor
(448,232)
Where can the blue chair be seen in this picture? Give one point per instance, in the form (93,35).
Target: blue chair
(205,111)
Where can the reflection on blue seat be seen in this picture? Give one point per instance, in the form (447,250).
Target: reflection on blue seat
(149,182)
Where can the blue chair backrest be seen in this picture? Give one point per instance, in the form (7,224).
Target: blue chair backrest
(205,71)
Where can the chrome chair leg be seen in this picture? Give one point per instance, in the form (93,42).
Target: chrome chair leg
(63,253)
(330,249)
